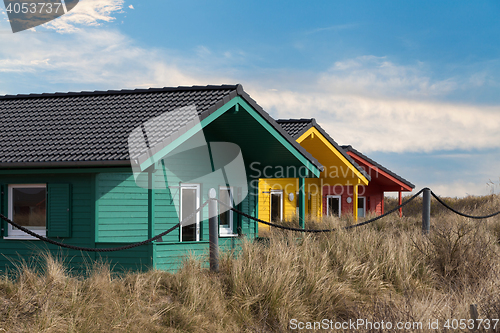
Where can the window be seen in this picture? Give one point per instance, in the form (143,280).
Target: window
(28,208)
(333,205)
(361,206)
(226,217)
(189,203)
(276,205)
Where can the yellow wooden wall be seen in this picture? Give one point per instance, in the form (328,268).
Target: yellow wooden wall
(289,185)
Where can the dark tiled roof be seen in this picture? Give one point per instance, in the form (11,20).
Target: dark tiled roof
(381,167)
(297,127)
(92,128)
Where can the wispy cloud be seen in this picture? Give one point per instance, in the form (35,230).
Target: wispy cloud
(103,59)
(86,13)
(461,189)
(338,27)
(377,105)
(390,125)
(377,76)
(369,102)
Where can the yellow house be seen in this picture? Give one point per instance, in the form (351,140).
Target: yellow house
(287,192)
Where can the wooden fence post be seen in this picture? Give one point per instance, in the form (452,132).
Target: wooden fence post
(426,211)
(213,231)
(474,315)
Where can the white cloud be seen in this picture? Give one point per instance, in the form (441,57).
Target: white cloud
(86,13)
(98,58)
(376,76)
(376,105)
(460,189)
(131,7)
(369,102)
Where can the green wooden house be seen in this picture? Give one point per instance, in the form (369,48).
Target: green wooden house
(66,171)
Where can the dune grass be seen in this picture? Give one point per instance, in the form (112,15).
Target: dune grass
(386,271)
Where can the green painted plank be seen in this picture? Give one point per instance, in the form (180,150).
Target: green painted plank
(120,214)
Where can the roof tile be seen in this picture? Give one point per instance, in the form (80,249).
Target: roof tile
(89,126)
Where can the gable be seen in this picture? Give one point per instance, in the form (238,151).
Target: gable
(239,122)
(331,157)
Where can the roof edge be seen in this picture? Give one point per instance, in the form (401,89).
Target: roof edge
(278,128)
(311,122)
(314,124)
(122,92)
(7,165)
(369,160)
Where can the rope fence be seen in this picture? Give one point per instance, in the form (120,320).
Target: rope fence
(110,249)
(319,230)
(462,214)
(426,210)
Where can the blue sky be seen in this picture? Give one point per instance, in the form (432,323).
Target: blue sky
(412,84)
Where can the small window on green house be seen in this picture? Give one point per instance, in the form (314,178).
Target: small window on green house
(42,208)
(28,208)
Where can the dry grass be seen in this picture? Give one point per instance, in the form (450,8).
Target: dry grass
(384,271)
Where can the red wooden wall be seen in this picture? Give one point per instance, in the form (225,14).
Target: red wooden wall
(373,194)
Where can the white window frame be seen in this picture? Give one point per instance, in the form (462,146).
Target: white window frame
(364,206)
(228,232)
(280,192)
(198,191)
(18,234)
(328,204)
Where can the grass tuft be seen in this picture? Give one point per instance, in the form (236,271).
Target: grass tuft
(387,270)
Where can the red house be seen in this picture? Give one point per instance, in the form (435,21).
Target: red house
(338,199)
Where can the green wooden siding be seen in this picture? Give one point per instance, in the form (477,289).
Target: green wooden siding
(82,200)
(137,258)
(108,209)
(122,208)
(166,214)
(59,210)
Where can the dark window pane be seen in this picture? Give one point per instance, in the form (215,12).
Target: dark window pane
(361,203)
(29,206)
(224,218)
(275,206)
(333,206)
(361,207)
(188,206)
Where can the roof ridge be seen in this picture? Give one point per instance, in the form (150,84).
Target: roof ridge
(291,120)
(237,87)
